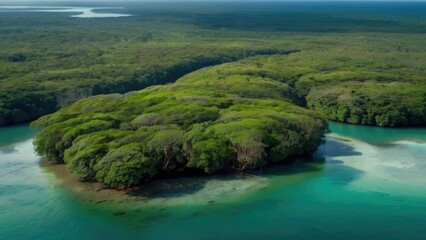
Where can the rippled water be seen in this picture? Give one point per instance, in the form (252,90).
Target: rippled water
(371,186)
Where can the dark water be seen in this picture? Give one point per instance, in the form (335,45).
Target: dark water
(361,191)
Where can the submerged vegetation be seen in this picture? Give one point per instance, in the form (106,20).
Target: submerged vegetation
(263,105)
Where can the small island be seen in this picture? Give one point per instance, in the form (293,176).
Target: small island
(208,120)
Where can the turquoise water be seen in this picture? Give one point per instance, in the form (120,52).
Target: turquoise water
(370,185)
(376,135)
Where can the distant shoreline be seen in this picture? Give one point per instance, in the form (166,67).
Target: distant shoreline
(75,12)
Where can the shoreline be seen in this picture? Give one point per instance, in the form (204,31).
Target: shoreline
(83,191)
(221,188)
(157,194)
(81,188)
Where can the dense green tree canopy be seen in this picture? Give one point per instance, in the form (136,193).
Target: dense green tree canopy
(48,61)
(367,67)
(215,119)
(235,116)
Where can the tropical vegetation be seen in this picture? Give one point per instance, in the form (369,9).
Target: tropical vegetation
(207,87)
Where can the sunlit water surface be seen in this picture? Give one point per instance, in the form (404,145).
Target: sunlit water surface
(371,186)
(79,12)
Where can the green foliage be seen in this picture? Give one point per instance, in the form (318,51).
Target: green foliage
(17,57)
(211,155)
(125,166)
(83,155)
(64,67)
(360,68)
(205,121)
(373,103)
(167,145)
(45,64)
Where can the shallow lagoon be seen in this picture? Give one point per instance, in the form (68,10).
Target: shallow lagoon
(78,12)
(369,186)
